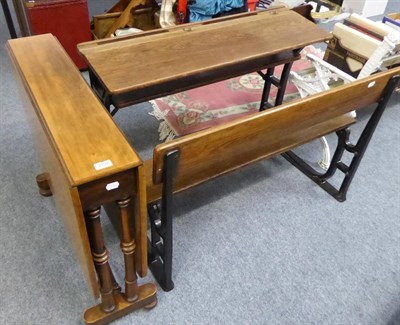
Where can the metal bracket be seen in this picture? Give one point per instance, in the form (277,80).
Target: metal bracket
(160,215)
(343,145)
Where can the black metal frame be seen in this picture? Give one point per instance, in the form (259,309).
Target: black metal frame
(343,145)
(160,215)
(7,16)
(271,80)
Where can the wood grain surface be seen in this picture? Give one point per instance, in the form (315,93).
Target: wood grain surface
(67,199)
(154,58)
(79,128)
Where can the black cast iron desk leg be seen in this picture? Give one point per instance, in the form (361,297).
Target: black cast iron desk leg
(280,84)
(160,215)
(344,144)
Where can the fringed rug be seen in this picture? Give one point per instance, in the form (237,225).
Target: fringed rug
(221,102)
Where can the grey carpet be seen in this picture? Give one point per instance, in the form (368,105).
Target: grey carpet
(261,246)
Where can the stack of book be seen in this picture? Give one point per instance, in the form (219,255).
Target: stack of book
(392,20)
(354,41)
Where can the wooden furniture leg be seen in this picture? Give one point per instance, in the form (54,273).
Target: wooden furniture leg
(128,249)
(100,258)
(42,181)
(113,303)
(116,287)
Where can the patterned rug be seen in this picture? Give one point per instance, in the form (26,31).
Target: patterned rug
(200,108)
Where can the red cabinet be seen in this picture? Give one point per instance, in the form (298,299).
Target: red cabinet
(68,20)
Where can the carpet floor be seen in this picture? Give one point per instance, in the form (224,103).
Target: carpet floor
(261,246)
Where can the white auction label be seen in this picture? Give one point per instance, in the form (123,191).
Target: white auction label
(103,164)
(112,186)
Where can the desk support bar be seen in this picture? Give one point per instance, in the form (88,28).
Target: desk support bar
(343,145)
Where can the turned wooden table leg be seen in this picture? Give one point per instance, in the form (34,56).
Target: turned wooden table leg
(128,249)
(114,304)
(115,285)
(43,182)
(100,258)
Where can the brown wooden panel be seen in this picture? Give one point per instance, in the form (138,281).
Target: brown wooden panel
(66,197)
(95,193)
(194,49)
(103,22)
(287,142)
(190,82)
(80,130)
(210,152)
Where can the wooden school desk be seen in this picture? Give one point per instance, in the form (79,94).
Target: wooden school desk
(140,67)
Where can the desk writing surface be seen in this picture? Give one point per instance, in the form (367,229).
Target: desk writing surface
(133,63)
(96,137)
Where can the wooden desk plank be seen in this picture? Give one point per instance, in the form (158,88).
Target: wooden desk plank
(287,142)
(77,150)
(197,49)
